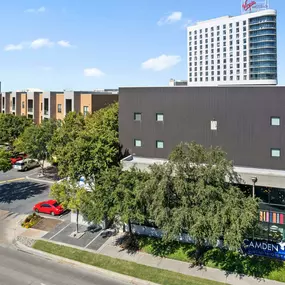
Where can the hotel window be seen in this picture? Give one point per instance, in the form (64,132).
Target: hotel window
(85,110)
(159,144)
(275,152)
(225,78)
(275,121)
(59,108)
(244,77)
(244,22)
(137,116)
(159,117)
(137,143)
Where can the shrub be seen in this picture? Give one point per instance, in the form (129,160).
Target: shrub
(31,220)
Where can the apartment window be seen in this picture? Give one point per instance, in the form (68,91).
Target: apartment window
(244,77)
(23,104)
(159,117)
(244,22)
(159,144)
(137,143)
(225,78)
(137,116)
(231,78)
(275,152)
(85,110)
(275,121)
(59,108)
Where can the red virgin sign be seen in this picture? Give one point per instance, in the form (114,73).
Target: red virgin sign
(248,5)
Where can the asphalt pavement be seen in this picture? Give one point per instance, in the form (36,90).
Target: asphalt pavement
(15,174)
(17,267)
(21,196)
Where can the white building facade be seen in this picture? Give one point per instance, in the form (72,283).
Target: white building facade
(233,50)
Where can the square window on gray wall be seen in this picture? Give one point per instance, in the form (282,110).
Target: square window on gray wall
(159,117)
(275,152)
(137,116)
(137,143)
(159,144)
(275,121)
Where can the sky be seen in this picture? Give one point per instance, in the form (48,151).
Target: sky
(92,44)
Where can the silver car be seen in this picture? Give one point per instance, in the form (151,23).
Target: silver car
(26,164)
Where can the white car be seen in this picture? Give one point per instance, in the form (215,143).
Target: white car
(26,164)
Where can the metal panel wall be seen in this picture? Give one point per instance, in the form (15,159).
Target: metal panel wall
(243,116)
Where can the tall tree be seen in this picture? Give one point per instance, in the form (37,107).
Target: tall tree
(129,204)
(35,139)
(99,204)
(70,195)
(193,193)
(5,163)
(62,144)
(11,127)
(97,147)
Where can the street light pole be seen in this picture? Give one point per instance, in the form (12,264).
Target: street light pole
(254,180)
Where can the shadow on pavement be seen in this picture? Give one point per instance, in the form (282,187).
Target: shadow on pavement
(20,191)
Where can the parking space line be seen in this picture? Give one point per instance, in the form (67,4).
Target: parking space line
(12,180)
(92,240)
(59,232)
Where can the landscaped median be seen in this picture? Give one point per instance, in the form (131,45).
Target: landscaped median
(144,272)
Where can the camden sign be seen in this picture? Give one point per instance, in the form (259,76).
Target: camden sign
(264,248)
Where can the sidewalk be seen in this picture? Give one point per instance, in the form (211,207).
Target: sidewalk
(109,249)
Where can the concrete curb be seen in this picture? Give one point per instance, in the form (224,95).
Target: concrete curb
(40,180)
(107,273)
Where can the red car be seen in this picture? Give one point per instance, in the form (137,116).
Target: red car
(17,158)
(49,207)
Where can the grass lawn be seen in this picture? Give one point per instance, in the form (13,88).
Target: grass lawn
(226,260)
(121,266)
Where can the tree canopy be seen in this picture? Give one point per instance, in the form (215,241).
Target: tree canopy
(5,163)
(96,147)
(11,127)
(193,193)
(35,139)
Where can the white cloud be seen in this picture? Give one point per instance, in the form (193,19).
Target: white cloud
(94,72)
(172,18)
(39,43)
(65,44)
(12,47)
(162,62)
(39,10)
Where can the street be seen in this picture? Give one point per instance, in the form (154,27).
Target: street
(21,268)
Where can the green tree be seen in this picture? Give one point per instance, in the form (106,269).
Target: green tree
(35,139)
(70,195)
(96,148)
(61,146)
(130,205)
(5,163)
(99,203)
(193,193)
(11,127)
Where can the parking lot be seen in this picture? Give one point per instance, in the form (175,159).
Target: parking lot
(92,238)
(18,194)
